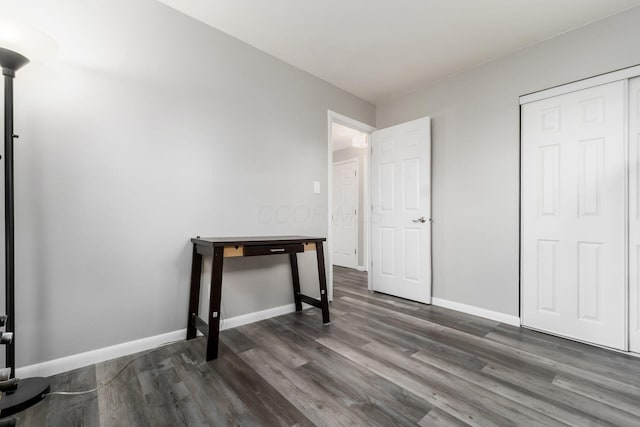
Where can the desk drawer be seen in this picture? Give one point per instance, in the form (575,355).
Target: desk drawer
(273,249)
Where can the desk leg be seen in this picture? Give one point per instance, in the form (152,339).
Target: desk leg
(194,293)
(324,298)
(214,303)
(296,281)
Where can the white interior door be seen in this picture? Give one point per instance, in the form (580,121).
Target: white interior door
(345,213)
(401,210)
(573,215)
(634,214)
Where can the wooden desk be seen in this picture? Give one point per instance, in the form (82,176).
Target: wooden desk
(228,247)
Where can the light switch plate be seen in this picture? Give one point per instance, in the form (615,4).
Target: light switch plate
(316,187)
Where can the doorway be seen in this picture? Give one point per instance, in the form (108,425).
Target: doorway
(393,236)
(349,184)
(348,194)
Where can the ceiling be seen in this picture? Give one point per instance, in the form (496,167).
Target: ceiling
(342,136)
(378,49)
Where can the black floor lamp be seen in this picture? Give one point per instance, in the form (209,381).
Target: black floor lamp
(18,394)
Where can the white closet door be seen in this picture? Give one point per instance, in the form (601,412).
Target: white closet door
(574,215)
(345,213)
(634,214)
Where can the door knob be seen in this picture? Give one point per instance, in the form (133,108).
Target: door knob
(420,220)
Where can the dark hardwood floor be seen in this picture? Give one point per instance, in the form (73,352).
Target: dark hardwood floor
(382,361)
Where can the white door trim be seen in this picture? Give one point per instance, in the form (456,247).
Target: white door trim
(357,162)
(333,117)
(623,74)
(627,228)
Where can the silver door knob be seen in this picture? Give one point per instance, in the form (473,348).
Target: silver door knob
(420,220)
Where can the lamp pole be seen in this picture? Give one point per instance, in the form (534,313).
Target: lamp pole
(20,393)
(9,217)
(11,62)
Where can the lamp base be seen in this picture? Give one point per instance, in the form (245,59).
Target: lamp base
(29,392)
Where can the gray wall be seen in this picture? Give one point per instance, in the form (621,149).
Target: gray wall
(145,129)
(361,155)
(476,153)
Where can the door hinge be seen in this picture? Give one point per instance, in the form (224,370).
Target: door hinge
(355,173)
(355,251)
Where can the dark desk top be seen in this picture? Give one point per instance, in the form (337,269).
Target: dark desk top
(254,240)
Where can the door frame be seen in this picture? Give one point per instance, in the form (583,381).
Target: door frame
(587,82)
(333,117)
(357,245)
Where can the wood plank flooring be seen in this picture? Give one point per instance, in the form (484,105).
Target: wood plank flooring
(383,361)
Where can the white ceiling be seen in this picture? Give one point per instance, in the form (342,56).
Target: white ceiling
(342,136)
(377,49)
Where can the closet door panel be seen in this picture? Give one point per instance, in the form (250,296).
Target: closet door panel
(573,215)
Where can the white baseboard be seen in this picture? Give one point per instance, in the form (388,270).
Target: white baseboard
(68,363)
(75,361)
(361,268)
(477,311)
(257,316)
